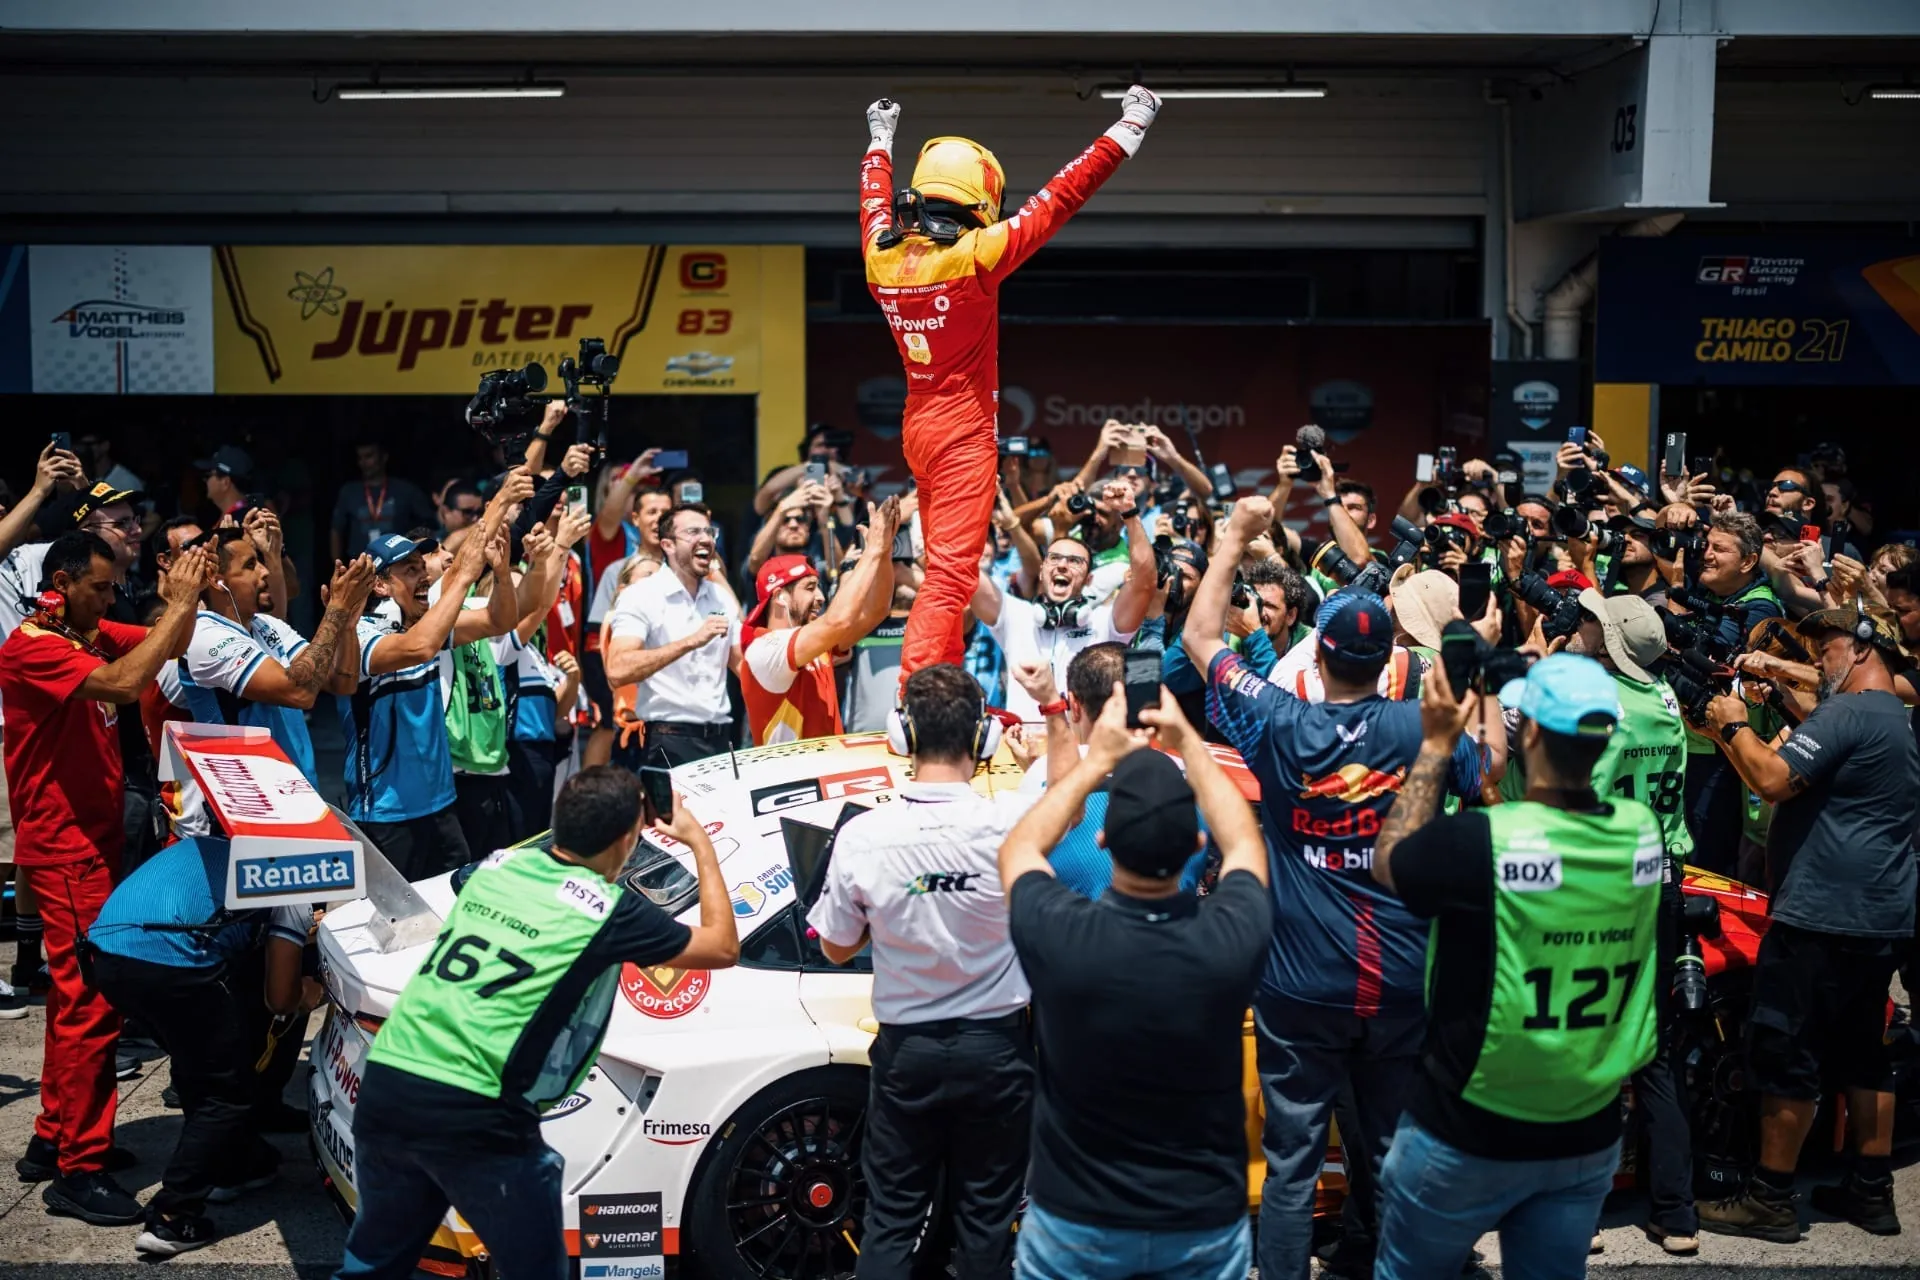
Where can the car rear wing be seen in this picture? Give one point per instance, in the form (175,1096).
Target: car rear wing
(287,845)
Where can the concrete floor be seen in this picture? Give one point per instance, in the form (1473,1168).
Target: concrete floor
(292,1230)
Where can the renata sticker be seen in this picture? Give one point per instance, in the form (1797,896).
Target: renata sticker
(661,991)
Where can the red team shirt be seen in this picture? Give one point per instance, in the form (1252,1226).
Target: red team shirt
(939,299)
(64,774)
(786,703)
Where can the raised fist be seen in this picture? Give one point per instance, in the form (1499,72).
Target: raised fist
(1137,111)
(882,117)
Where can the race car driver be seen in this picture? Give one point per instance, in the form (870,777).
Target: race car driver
(936,256)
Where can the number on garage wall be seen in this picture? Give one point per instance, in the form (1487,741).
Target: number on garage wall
(707,320)
(1626,128)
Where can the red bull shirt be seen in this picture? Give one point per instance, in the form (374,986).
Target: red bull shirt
(1328,774)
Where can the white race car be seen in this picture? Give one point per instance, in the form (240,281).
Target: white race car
(723,1119)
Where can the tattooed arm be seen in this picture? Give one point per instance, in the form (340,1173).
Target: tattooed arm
(1441,721)
(1419,801)
(299,683)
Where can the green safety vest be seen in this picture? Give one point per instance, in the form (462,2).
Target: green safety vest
(477,709)
(1575,902)
(509,948)
(1702,744)
(1646,759)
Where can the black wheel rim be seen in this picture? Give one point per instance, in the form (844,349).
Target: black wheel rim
(795,1194)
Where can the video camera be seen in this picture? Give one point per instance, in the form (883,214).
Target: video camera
(1446,481)
(593,367)
(1374,576)
(502,407)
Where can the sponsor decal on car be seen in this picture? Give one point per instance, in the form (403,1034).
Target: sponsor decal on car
(786,795)
(621,1237)
(857,782)
(661,991)
(566,1106)
(257,877)
(675,1133)
(775,879)
(748,898)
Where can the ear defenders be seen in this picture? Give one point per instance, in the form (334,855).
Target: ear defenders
(1056,614)
(903,740)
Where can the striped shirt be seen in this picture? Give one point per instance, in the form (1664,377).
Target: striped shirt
(398,763)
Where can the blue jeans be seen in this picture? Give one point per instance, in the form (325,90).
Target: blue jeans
(512,1201)
(1053,1248)
(1437,1200)
(1306,1054)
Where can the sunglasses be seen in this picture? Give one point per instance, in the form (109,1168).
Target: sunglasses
(470,511)
(1789,486)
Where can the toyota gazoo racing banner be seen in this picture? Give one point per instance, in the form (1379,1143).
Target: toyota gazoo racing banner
(1753,310)
(287,847)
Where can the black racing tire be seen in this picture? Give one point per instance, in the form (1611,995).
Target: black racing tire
(778,1194)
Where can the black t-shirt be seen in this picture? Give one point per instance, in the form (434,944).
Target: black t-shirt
(1840,854)
(1444,872)
(427,1113)
(1139,1008)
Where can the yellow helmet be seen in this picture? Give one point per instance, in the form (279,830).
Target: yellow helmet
(962,171)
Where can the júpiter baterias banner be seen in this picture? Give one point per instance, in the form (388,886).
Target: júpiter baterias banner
(430,319)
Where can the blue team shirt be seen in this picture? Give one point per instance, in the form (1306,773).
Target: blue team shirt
(184,884)
(535,683)
(1328,775)
(222,657)
(395,726)
(1086,868)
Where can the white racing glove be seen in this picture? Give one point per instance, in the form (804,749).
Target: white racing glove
(882,116)
(1137,111)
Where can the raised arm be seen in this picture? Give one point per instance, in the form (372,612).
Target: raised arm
(1162,448)
(619,500)
(1207,616)
(1034,836)
(857,607)
(299,683)
(1442,719)
(1230,819)
(123,680)
(1024,546)
(1135,596)
(876,172)
(263,528)
(56,468)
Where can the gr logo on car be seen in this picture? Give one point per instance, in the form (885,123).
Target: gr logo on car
(786,795)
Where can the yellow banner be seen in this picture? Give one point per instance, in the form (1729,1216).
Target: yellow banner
(430,319)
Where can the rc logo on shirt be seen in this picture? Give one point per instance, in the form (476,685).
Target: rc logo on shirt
(1528,872)
(786,795)
(942,882)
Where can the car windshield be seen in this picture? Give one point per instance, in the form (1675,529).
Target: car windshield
(651,871)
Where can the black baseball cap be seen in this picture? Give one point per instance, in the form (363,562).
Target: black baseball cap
(1152,824)
(68,510)
(229,460)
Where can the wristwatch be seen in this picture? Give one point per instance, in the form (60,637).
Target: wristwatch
(1331,500)
(1058,707)
(1728,732)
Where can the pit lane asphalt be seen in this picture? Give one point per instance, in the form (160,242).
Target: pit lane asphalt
(291,1229)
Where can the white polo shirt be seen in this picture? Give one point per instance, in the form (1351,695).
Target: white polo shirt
(1299,674)
(657,611)
(922,876)
(1024,636)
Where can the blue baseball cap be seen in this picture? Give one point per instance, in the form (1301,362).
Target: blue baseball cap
(389,549)
(1566,693)
(1634,477)
(1356,625)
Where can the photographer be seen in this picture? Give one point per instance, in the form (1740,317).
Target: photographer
(1512,1122)
(1840,861)
(1341,1001)
(802,525)
(1139,1131)
(1061,622)
(1729,596)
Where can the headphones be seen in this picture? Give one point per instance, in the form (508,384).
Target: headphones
(904,740)
(1055,614)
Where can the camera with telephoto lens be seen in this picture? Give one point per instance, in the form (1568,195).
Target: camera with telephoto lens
(1336,564)
(1504,524)
(1699,918)
(501,406)
(1560,611)
(593,367)
(1671,544)
(1697,678)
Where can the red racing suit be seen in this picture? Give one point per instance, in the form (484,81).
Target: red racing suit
(940,301)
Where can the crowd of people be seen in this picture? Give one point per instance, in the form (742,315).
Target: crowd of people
(1720,675)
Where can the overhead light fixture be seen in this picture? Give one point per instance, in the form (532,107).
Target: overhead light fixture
(510,89)
(1290,89)
(1893,92)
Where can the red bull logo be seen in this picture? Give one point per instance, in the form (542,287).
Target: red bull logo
(1352,784)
